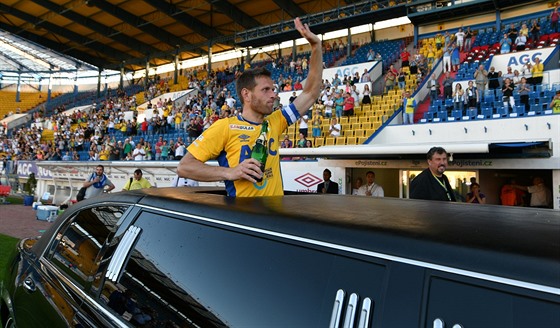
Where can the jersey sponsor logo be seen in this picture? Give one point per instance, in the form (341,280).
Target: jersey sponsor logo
(241,127)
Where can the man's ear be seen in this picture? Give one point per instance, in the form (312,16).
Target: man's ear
(245,93)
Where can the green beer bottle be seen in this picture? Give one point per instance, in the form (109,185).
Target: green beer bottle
(260,151)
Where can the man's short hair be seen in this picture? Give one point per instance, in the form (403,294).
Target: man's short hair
(327,171)
(247,80)
(434,150)
(368,172)
(138,171)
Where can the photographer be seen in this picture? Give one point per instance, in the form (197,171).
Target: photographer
(96,182)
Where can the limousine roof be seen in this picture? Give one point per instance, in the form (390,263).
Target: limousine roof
(519,244)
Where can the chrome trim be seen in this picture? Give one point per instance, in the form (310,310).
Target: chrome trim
(79,291)
(118,259)
(365,313)
(337,309)
(351,311)
(72,217)
(427,265)
(438,323)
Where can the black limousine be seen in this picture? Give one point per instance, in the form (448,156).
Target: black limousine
(179,257)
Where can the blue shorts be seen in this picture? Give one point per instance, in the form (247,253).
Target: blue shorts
(316,132)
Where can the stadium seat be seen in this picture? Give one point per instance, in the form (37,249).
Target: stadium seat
(428,117)
(319,142)
(536,109)
(329,141)
(368,125)
(517,111)
(441,116)
(485,112)
(340,141)
(500,112)
(456,115)
(351,140)
(471,113)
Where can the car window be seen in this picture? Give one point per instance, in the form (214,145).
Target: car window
(80,245)
(180,272)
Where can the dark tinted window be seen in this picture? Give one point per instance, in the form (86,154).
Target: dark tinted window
(183,272)
(80,245)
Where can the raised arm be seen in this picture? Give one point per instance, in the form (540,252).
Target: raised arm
(312,86)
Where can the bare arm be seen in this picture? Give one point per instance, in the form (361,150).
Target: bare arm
(312,86)
(192,168)
(110,187)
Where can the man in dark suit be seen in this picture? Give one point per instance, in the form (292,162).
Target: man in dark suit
(327,187)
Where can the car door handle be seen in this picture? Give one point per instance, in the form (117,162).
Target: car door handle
(29,285)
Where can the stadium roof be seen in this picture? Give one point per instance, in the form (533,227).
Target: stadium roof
(110,34)
(106,33)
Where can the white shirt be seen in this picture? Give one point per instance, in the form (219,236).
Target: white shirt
(540,195)
(138,154)
(303,123)
(180,150)
(335,133)
(230,101)
(375,190)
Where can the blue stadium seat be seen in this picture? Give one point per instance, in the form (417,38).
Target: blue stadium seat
(441,116)
(517,111)
(428,117)
(485,112)
(456,115)
(500,112)
(470,113)
(535,109)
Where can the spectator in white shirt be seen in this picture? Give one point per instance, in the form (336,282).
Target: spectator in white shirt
(139,154)
(334,130)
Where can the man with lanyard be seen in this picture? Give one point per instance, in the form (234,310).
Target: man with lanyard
(137,182)
(230,140)
(409,104)
(96,183)
(432,184)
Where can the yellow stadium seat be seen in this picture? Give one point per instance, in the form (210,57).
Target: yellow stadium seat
(362,140)
(340,141)
(364,119)
(359,133)
(369,132)
(329,141)
(367,125)
(356,126)
(343,120)
(319,142)
(351,140)
(353,120)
